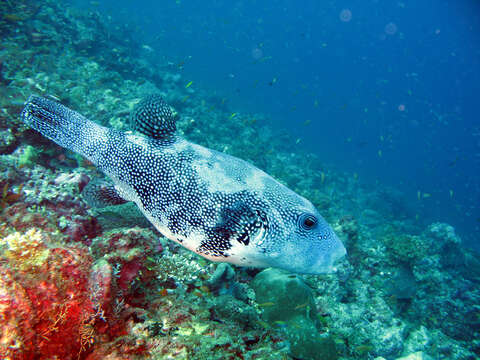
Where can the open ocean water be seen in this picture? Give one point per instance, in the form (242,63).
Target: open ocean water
(368,109)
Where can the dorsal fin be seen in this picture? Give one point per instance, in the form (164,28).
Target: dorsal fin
(153,117)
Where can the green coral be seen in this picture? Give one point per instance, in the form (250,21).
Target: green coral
(404,247)
(29,157)
(178,267)
(288,303)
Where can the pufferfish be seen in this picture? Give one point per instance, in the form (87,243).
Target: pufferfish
(219,206)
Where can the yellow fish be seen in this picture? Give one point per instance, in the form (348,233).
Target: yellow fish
(188,85)
(301,306)
(266,304)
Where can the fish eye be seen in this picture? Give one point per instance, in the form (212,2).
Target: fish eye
(308,221)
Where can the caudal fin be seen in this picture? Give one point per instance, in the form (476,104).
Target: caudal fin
(55,121)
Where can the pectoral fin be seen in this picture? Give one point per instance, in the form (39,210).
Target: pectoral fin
(101,193)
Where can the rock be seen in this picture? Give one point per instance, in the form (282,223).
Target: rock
(289,303)
(418,339)
(290,295)
(223,274)
(415,356)
(228,308)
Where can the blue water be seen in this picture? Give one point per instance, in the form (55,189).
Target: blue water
(386,90)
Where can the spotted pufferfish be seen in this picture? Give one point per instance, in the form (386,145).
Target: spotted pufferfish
(219,206)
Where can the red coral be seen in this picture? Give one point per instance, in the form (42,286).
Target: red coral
(83,229)
(48,302)
(21,218)
(17,319)
(128,273)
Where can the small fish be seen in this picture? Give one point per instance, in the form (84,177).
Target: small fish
(267,304)
(380,153)
(204,289)
(307,122)
(301,306)
(322,177)
(264,324)
(451,193)
(296,325)
(426,195)
(189,84)
(453,162)
(233,115)
(198,294)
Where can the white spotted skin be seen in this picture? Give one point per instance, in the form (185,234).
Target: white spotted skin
(216,205)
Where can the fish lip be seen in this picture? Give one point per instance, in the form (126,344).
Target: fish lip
(338,257)
(337,262)
(330,265)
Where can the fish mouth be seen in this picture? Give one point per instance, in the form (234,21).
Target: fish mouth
(330,262)
(339,261)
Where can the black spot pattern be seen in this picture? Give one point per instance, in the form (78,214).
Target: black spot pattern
(241,218)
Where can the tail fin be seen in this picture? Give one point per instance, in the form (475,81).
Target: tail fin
(66,127)
(56,122)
